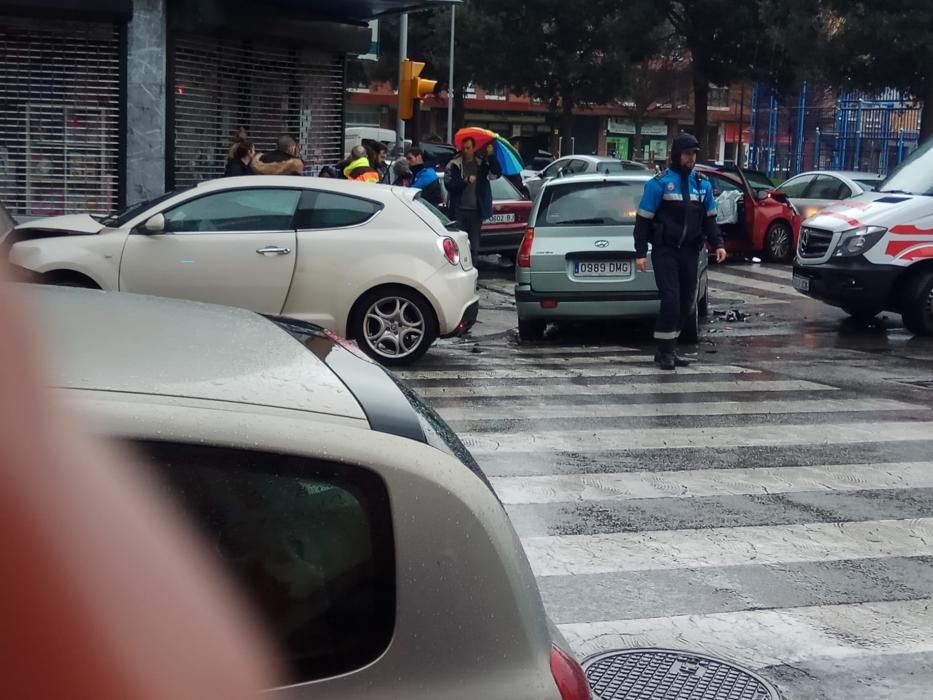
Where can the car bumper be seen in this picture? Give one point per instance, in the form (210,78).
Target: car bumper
(853,283)
(501,241)
(467,321)
(452,291)
(582,306)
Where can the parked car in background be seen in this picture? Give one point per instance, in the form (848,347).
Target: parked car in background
(815,190)
(502,233)
(577,258)
(369,261)
(578,165)
(754,217)
(344,509)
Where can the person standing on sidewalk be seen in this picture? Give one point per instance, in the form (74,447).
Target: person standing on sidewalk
(424,177)
(677,215)
(468,191)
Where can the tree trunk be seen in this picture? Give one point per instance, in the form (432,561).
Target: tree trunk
(637,139)
(700,104)
(566,126)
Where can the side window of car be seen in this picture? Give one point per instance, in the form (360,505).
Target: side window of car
(577,166)
(252,209)
(721,185)
(795,187)
(553,168)
(309,542)
(844,192)
(331,210)
(825,187)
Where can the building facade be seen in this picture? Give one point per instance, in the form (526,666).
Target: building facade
(104,103)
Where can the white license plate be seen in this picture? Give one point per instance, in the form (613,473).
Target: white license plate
(501,219)
(603,268)
(801,283)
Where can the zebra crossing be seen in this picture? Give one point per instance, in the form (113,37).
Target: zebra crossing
(778,522)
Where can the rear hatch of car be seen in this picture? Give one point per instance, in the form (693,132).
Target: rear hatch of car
(510,211)
(584,238)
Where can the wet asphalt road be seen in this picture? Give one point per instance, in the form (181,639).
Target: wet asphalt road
(772,504)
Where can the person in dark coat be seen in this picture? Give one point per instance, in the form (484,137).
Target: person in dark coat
(677,215)
(241,154)
(468,191)
(283,160)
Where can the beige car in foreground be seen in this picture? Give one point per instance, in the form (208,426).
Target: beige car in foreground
(371,262)
(349,514)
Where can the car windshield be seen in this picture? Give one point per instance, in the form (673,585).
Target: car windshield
(915,175)
(589,203)
(503,190)
(121,217)
(868,185)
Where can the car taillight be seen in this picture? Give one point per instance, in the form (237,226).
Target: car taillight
(569,676)
(524,251)
(451,250)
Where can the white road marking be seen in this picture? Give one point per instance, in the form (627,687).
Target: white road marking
(633,389)
(724,278)
(755,435)
(761,638)
(717,294)
(712,482)
(711,408)
(560,372)
(575,555)
(785,274)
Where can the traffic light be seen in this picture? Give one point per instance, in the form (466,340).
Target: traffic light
(412,87)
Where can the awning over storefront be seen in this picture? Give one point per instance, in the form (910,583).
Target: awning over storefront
(69,9)
(359,10)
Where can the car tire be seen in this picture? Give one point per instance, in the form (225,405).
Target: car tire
(530,329)
(779,242)
(69,279)
(703,304)
(918,306)
(393,325)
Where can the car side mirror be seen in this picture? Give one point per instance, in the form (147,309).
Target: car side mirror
(154,224)
(761,194)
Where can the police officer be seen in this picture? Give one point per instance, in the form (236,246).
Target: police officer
(677,215)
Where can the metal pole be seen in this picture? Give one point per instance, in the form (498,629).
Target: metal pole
(816,150)
(450,77)
(857,159)
(402,55)
(900,146)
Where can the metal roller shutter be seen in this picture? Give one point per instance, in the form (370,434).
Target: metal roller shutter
(271,90)
(60,98)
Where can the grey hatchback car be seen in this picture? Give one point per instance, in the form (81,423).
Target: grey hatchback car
(577,258)
(347,511)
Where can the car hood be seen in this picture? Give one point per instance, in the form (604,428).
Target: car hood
(876,209)
(74,224)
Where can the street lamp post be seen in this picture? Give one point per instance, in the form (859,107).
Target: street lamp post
(402,55)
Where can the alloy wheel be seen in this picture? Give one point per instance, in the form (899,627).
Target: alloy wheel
(393,327)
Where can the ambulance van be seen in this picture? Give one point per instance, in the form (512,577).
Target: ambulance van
(874,252)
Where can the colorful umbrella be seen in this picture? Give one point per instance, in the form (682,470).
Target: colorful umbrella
(508,157)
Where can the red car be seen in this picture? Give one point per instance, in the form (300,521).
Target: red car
(502,233)
(764,221)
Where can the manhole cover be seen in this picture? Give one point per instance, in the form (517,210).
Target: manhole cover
(664,674)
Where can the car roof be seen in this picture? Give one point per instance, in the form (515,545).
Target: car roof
(851,174)
(629,176)
(372,190)
(120,342)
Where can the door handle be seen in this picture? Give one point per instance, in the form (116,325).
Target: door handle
(273,250)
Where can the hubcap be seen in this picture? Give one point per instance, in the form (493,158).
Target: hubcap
(780,242)
(393,327)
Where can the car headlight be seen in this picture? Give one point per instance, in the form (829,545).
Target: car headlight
(859,240)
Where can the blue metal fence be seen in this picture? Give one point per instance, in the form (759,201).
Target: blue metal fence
(815,129)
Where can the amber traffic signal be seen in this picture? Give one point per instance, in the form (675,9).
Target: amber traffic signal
(412,87)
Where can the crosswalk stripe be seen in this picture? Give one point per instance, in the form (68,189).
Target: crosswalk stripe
(560,372)
(718,293)
(576,555)
(723,278)
(762,638)
(711,408)
(526,490)
(632,389)
(665,438)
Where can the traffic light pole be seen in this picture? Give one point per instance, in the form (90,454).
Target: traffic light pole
(402,55)
(450,80)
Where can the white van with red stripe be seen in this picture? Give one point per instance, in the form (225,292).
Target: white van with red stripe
(874,252)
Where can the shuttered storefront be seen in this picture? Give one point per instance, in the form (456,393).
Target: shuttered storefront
(222,84)
(60,129)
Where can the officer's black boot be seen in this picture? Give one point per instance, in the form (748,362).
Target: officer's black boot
(680,360)
(664,356)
